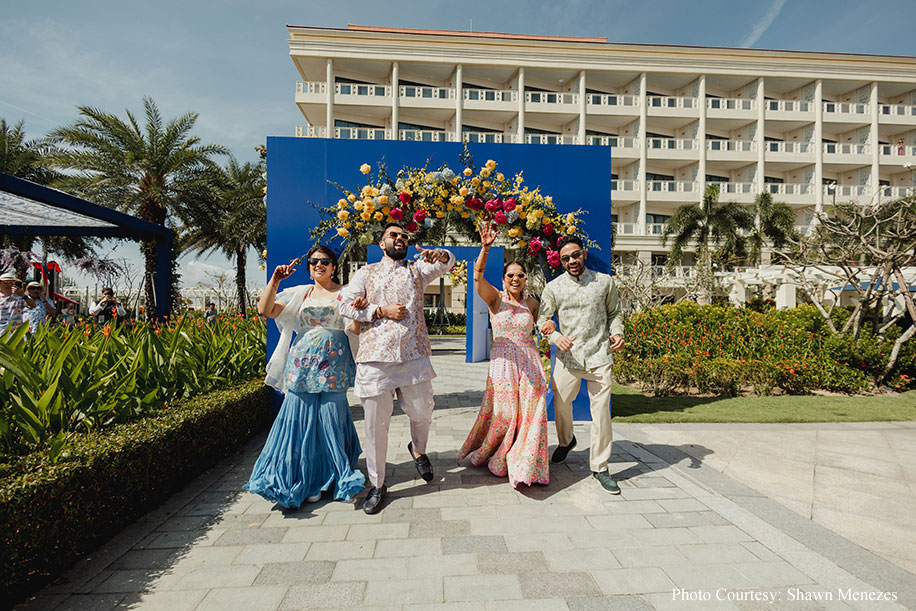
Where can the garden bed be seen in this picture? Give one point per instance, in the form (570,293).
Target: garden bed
(53,513)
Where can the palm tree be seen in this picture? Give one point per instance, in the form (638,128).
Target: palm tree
(28,159)
(157,171)
(709,224)
(235,221)
(774,222)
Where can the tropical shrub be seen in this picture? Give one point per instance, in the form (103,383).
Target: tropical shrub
(69,379)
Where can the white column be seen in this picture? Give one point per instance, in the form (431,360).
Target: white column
(761,135)
(819,145)
(329,118)
(644,188)
(873,140)
(459,102)
(701,136)
(521,105)
(582,107)
(395,100)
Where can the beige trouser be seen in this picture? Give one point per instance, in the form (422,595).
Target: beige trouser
(566,384)
(417,402)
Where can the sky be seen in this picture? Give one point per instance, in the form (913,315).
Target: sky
(228,60)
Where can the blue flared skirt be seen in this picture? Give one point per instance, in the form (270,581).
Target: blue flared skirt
(312,447)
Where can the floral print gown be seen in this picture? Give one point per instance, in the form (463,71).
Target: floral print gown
(510,433)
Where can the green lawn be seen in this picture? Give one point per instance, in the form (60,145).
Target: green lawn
(629,405)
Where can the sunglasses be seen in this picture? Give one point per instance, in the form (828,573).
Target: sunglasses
(572,255)
(520,275)
(316,261)
(395,235)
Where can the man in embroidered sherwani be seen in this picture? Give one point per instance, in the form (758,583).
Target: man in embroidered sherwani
(588,309)
(394,351)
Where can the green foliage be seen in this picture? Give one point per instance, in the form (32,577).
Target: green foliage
(674,349)
(72,379)
(53,512)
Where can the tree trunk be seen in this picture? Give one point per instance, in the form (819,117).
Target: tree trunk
(240,260)
(151,211)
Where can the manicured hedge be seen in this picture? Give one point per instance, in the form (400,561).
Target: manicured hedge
(51,514)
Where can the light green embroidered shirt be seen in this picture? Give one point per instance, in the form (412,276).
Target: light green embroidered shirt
(589,310)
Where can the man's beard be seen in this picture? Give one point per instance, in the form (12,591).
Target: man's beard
(396,253)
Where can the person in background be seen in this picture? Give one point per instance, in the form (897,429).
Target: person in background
(12,301)
(210,313)
(108,308)
(43,310)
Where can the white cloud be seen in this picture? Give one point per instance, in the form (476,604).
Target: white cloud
(764,24)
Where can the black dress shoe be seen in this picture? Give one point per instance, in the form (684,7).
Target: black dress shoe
(559,455)
(374,499)
(424,467)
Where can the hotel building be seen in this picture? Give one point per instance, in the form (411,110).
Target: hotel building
(810,128)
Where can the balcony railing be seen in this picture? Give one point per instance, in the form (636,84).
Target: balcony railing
(657,101)
(790,105)
(624,185)
(731,145)
(311,131)
(551,139)
(487,137)
(612,100)
(490,95)
(897,192)
(429,93)
(898,110)
(655,229)
(311,87)
(788,188)
(362,90)
(844,191)
(833,148)
(672,186)
(551,97)
(731,103)
(788,147)
(898,150)
(615,141)
(362,133)
(735,188)
(673,144)
(627,229)
(847,108)
(426,135)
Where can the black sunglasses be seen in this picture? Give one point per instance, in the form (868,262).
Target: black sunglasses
(394,235)
(572,255)
(316,261)
(520,275)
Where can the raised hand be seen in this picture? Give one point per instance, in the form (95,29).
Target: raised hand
(487,233)
(433,255)
(282,272)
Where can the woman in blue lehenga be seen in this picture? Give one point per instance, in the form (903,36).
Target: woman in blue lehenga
(312,446)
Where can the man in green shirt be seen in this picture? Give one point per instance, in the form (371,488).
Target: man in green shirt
(591,327)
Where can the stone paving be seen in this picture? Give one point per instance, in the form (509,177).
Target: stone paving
(684,534)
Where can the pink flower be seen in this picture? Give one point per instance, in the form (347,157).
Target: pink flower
(509,204)
(548,229)
(404,197)
(494,205)
(534,245)
(500,218)
(419,216)
(475,203)
(397,214)
(411,227)
(553,258)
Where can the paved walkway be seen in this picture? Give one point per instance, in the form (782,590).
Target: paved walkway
(711,517)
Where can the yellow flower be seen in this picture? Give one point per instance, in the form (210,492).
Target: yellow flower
(343,215)
(485,172)
(439,214)
(514,232)
(342,232)
(365,168)
(264,254)
(264,190)
(373,192)
(342,204)
(487,184)
(366,215)
(490,164)
(463,191)
(383,199)
(351,198)
(522,243)
(347,224)
(443,192)
(369,205)
(571,229)
(522,214)
(359,226)
(457,199)
(500,177)
(262,267)
(570,218)
(378,216)
(386,209)
(475,181)
(438,201)
(465,215)
(359,205)
(548,199)
(468,171)
(454,181)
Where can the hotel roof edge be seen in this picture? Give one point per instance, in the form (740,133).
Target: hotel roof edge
(590,40)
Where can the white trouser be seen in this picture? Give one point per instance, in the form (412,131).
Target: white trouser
(417,402)
(566,384)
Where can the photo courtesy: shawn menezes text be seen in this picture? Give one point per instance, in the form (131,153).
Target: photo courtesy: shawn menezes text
(793,594)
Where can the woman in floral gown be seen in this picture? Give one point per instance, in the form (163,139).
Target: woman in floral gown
(312,446)
(510,433)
